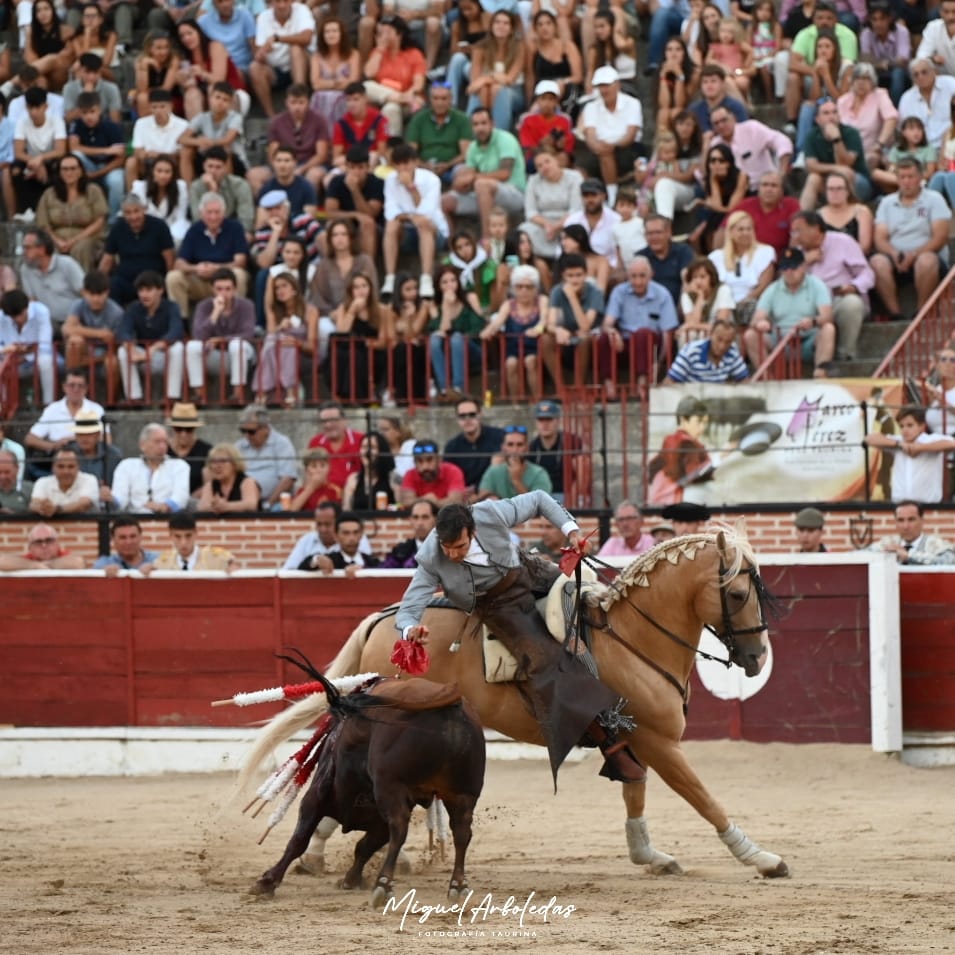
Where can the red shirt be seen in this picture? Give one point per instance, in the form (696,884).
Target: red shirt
(344,459)
(771,227)
(349,132)
(450,478)
(327,492)
(536,128)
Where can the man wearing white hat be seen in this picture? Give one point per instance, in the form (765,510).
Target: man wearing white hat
(612,123)
(94,455)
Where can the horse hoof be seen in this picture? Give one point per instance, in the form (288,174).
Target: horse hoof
(778,871)
(671,867)
(380,895)
(310,865)
(456,893)
(348,885)
(264,890)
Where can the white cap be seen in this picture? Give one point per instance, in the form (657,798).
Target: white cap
(273,198)
(547,86)
(605,75)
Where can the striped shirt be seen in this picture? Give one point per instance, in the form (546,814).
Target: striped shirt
(692,363)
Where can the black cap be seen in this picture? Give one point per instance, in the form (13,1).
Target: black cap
(686,511)
(791,259)
(593,187)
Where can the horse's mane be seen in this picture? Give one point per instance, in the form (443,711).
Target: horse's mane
(637,572)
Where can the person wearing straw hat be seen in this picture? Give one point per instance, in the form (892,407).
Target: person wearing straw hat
(184,423)
(95,455)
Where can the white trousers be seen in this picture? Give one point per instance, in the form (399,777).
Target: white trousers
(239,357)
(158,360)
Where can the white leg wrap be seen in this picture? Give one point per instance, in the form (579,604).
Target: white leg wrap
(313,859)
(749,853)
(643,853)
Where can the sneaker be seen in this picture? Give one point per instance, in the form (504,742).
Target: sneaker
(790,130)
(388,286)
(799,162)
(438,73)
(426,286)
(27,215)
(388,399)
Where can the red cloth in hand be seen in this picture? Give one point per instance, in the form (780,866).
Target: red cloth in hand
(411,657)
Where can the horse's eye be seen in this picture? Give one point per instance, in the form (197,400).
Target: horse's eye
(738,595)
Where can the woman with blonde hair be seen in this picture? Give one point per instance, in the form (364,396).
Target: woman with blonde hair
(229,488)
(745,265)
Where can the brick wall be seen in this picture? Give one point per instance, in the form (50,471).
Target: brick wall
(264,543)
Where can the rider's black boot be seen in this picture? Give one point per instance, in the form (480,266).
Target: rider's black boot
(619,762)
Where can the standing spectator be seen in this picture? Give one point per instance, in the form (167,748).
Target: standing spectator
(128,553)
(422,517)
(834,147)
(283,32)
(561,454)
(630,541)
(67,491)
(184,423)
(713,359)
(771,212)
(911,239)
(26,330)
(152,482)
(431,478)
(472,448)
(269,456)
(810,524)
(341,442)
(911,545)
(154,135)
(152,335)
(100,145)
(39,140)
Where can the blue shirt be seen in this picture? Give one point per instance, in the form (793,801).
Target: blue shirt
(6,140)
(199,246)
(165,324)
(300,192)
(631,312)
(37,329)
(668,271)
(702,112)
(234,35)
(692,363)
(114,560)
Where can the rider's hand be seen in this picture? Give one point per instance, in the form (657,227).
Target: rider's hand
(418,634)
(579,544)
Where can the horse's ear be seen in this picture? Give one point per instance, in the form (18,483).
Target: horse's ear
(740,527)
(721,544)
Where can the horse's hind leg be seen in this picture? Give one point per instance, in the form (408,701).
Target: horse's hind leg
(312,861)
(365,848)
(461,813)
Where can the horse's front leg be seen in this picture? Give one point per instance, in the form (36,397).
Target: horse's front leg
(461,814)
(641,849)
(312,861)
(365,848)
(398,813)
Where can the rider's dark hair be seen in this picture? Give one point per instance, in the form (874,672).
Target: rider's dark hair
(452,520)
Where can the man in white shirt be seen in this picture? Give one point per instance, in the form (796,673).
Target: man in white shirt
(322,540)
(67,491)
(154,481)
(284,32)
(938,40)
(154,135)
(929,99)
(598,219)
(25,328)
(413,218)
(38,141)
(612,124)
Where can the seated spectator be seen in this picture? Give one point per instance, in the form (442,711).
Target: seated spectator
(771,211)
(640,320)
(346,554)
(152,335)
(829,80)
(229,489)
(359,198)
(157,67)
(843,212)
(756,147)
(795,301)
(14,494)
(220,126)
(128,553)
(553,193)
(493,174)
(911,545)
(152,482)
(552,55)
(667,258)
(184,423)
(576,311)
(154,135)
(206,62)
(422,517)
(704,300)
(478,272)
(17,449)
(612,123)
(936,41)
(440,134)
(322,539)
(39,140)
(74,211)
(630,233)
(269,456)
(334,64)
(810,523)
(300,192)
(94,455)
(90,78)
(940,393)
(431,478)
(283,33)
(869,109)
(91,328)
(400,440)
(715,358)
(223,332)
(675,190)
(498,61)
(27,332)
(26,79)
(100,146)
(6,163)
(137,242)
(613,45)
(407,381)
(574,241)
(911,239)
(341,442)
(95,38)
(911,143)
(48,49)
(516,474)
(44,552)
(67,491)
(562,455)
(362,127)
(315,488)
(715,90)
(887,45)
(743,264)
(473,447)
(723,187)
(597,219)
(629,541)
(453,330)
(187,554)
(833,147)
(376,477)
(546,128)
(212,243)
(166,196)
(679,80)
(233,190)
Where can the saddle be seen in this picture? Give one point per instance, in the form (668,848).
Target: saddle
(415,695)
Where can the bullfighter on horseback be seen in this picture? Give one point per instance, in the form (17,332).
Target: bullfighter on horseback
(470,555)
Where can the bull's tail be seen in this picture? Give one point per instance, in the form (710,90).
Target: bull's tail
(348,660)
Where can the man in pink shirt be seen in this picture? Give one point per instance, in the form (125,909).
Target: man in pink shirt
(756,148)
(631,542)
(431,478)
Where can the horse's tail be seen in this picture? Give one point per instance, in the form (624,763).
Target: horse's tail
(348,660)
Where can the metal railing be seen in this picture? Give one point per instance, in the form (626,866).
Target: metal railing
(783,362)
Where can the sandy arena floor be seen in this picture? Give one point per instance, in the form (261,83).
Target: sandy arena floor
(104,866)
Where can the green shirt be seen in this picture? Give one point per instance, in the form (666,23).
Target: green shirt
(497,480)
(17,501)
(434,142)
(818,147)
(805,43)
(502,145)
(785,308)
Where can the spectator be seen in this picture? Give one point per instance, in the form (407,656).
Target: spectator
(453,329)
(869,109)
(229,489)
(795,301)
(341,442)
(756,148)
(346,554)
(152,335)
(687,517)
(74,211)
(223,331)
(929,99)
(886,44)
(498,61)
(27,332)
(918,463)
(472,448)
(837,260)
(90,78)
(612,123)
(154,135)
(395,73)
(334,64)
(186,554)
(630,541)
(911,545)
(675,190)
(771,211)
(137,242)
(493,174)
(212,243)
(422,518)
(220,126)
(550,545)
(440,134)
(128,553)
(937,37)
(233,25)
(810,523)
(166,196)
(662,532)
(553,56)
(911,143)
(479,273)
(630,233)
(39,140)
(413,218)
(545,127)
(359,198)
(320,540)
(233,190)
(834,147)
(667,258)
(467,30)
(940,388)
(362,126)
(8,444)
(152,482)
(911,239)
(315,489)
(157,67)
(184,423)
(298,190)
(14,495)
(597,218)
(93,325)
(844,213)
(376,477)
(431,478)
(516,474)
(400,440)
(100,145)
(44,552)
(269,455)
(714,92)
(704,299)
(713,359)
(283,33)
(205,63)
(640,317)
(94,455)
(93,35)
(723,188)
(67,491)
(745,265)
(561,454)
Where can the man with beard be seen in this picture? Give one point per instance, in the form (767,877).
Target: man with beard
(515,475)
(422,517)
(431,478)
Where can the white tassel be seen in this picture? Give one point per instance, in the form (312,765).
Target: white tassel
(276,694)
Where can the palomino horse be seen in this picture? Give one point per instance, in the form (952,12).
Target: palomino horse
(647,628)
(383,752)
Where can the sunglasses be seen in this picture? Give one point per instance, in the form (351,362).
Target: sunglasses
(43,540)
(467,414)
(248,430)
(515,429)
(428,447)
